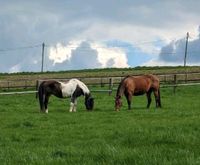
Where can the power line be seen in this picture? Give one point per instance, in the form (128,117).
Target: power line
(85,49)
(19,48)
(116,44)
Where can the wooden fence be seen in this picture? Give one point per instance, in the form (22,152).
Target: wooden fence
(110,83)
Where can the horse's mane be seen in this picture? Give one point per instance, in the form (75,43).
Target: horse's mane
(121,87)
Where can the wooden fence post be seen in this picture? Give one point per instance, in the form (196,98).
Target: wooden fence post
(165,79)
(110,86)
(175,82)
(186,77)
(102,82)
(8,85)
(25,84)
(37,85)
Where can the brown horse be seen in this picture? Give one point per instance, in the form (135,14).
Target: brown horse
(138,85)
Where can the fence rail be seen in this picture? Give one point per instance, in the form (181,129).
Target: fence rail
(172,80)
(109,91)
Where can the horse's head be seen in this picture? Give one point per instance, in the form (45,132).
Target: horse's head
(118,103)
(89,102)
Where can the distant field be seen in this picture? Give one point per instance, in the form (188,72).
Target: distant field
(27,81)
(100,72)
(156,136)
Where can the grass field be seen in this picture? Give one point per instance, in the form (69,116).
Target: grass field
(156,136)
(106,72)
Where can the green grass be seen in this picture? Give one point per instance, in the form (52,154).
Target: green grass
(156,136)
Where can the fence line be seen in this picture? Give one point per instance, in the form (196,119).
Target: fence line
(178,85)
(13,93)
(109,91)
(30,92)
(167,80)
(164,78)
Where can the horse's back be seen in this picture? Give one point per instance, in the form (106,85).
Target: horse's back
(141,84)
(73,85)
(135,85)
(81,85)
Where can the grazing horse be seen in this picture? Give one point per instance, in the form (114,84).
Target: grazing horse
(73,89)
(138,85)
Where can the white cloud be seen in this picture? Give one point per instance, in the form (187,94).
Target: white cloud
(106,55)
(60,52)
(87,54)
(173,53)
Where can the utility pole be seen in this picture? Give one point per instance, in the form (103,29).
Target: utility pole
(42,68)
(186,45)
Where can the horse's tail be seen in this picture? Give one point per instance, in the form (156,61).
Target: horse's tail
(40,94)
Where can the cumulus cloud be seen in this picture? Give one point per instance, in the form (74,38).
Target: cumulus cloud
(84,57)
(60,52)
(111,56)
(87,55)
(175,51)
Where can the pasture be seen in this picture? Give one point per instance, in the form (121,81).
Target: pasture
(156,136)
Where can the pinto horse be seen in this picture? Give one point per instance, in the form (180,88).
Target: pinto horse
(138,85)
(73,89)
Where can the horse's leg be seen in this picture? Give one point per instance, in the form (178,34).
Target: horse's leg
(46,100)
(148,98)
(128,98)
(72,104)
(157,98)
(75,104)
(43,102)
(71,107)
(41,96)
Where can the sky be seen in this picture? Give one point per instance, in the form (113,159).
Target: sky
(97,34)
